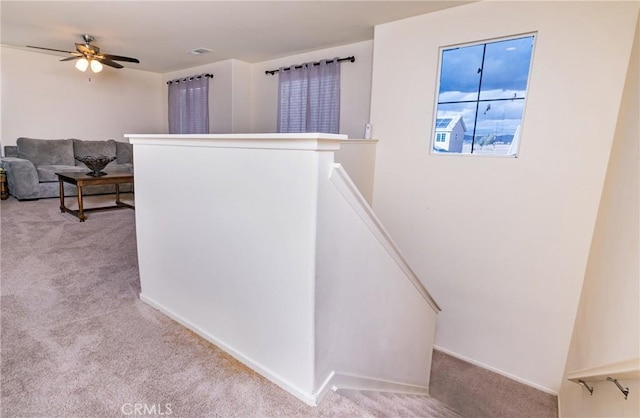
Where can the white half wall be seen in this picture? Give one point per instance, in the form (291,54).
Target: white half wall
(48,99)
(231,254)
(267,249)
(502,243)
(355,84)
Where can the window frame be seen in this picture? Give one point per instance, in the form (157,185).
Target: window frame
(478,100)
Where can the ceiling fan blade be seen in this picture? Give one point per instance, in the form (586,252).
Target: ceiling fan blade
(120,58)
(49,49)
(71,58)
(109,63)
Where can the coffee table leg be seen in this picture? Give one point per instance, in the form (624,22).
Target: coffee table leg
(61,195)
(117,194)
(81,214)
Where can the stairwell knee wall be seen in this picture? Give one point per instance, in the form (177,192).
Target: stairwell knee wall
(371,322)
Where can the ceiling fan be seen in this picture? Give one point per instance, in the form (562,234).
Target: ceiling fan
(89,56)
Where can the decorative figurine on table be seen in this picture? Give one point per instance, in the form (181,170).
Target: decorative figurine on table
(96,164)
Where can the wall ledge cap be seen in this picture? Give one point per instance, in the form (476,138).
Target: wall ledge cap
(626,369)
(297,141)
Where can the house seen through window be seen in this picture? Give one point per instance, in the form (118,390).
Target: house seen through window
(481,97)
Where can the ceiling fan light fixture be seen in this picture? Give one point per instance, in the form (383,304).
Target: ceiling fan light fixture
(96,66)
(82,64)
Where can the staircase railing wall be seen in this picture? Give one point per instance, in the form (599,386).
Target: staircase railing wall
(262,246)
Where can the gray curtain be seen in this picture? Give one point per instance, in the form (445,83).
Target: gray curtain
(189,106)
(309,98)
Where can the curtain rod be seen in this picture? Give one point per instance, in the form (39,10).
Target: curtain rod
(177,80)
(351,59)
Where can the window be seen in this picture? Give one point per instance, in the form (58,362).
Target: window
(481,97)
(309,97)
(189,105)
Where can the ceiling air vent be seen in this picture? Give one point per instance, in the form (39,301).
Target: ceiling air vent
(200,51)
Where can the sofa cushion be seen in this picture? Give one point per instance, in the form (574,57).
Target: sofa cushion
(124,152)
(120,168)
(11,151)
(94,148)
(46,151)
(47,173)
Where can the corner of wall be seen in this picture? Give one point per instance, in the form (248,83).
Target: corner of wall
(612,277)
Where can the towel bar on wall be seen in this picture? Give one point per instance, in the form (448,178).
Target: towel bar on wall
(583,383)
(625,391)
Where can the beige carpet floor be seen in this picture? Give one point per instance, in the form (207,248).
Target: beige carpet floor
(77,342)
(480,393)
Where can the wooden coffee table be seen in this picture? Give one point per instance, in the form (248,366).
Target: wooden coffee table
(82,179)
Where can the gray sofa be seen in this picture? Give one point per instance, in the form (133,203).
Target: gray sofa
(32,163)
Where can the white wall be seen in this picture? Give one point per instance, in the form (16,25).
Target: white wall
(355,94)
(241,96)
(358,158)
(243,99)
(371,320)
(503,243)
(48,99)
(607,328)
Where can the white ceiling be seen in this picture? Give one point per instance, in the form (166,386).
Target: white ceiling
(159,33)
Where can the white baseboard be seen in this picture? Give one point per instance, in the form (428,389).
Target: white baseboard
(324,388)
(344,381)
(498,371)
(308,398)
(335,380)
